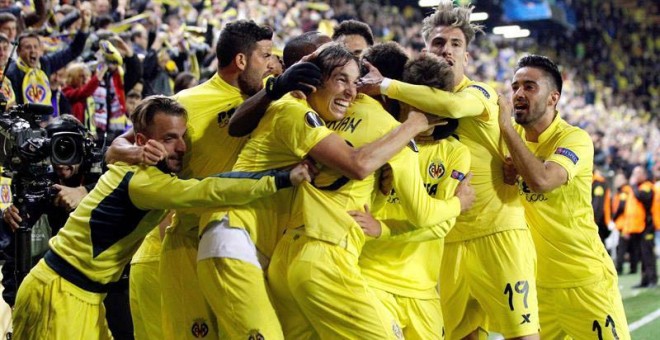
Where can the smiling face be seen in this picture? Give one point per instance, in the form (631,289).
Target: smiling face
(332,99)
(449,43)
(170,131)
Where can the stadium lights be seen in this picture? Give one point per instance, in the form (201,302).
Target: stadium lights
(478,16)
(518,34)
(428,3)
(506,29)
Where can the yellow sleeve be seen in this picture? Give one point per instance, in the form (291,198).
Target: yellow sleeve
(422,210)
(468,102)
(573,150)
(149,188)
(300,129)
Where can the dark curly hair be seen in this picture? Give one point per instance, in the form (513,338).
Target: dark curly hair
(545,64)
(240,37)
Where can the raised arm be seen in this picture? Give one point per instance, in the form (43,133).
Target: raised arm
(124,150)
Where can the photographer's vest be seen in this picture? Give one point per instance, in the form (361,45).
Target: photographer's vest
(35,87)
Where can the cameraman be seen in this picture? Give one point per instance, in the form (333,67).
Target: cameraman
(73,182)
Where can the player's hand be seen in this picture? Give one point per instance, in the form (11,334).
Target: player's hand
(370,82)
(510,172)
(367,222)
(302,76)
(68,197)
(422,121)
(465,193)
(153,152)
(386,182)
(506,109)
(301,173)
(12,217)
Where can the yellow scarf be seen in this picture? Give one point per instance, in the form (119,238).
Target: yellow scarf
(7,90)
(36,87)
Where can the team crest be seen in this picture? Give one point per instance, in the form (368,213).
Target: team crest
(255,335)
(35,93)
(436,170)
(313,120)
(5,193)
(199,328)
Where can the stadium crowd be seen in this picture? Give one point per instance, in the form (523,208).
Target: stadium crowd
(151,78)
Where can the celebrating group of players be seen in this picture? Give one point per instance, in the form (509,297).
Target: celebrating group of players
(331,219)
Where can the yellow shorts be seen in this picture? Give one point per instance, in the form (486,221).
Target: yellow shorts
(489,283)
(590,312)
(237,293)
(186,315)
(324,282)
(50,307)
(144,292)
(420,318)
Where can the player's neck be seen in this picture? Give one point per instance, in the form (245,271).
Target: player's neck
(535,129)
(229,75)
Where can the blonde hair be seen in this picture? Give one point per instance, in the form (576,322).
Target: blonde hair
(73,70)
(446,14)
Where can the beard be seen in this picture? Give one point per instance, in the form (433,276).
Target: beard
(247,85)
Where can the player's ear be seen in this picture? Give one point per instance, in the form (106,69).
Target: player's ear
(141,139)
(553,99)
(241,61)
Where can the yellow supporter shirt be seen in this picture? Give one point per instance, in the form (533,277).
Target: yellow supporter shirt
(324,206)
(211,149)
(106,229)
(409,264)
(496,207)
(570,253)
(285,135)
(149,250)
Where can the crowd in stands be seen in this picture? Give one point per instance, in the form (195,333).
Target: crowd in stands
(607,60)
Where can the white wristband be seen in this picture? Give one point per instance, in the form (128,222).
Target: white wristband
(384,85)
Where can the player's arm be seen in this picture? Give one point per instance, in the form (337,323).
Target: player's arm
(302,76)
(422,210)
(124,150)
(468,102)
(152,189)
(540,176)
(358,163)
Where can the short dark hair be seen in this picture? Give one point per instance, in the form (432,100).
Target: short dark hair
(300,46)
(354,27)
(143,115)
(545,64)
(182,81)
(428,69)
(331,56)
(389,58)
(6,17)
(26,35)
(240,37)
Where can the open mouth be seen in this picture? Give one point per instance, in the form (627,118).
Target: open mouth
(342,103)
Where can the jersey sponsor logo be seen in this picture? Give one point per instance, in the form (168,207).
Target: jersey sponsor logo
(436,170)
(455,174)
(431,189)
(199,328)
(255,335)
(345,124)
(313,120)
(568,154)
(530,196)
(224,116)
(483,90)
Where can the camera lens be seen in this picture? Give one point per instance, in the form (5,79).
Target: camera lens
(66,149)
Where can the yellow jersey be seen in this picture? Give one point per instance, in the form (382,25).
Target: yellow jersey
(211,149)
(284,136)
(106,229)
(562,220)
(324,206)
(497,207)
(409,264)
